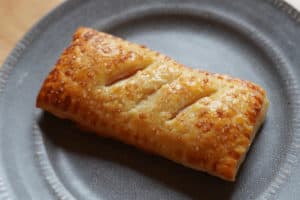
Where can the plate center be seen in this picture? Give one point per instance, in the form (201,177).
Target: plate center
(96,167)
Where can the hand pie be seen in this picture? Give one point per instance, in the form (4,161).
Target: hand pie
(125,91)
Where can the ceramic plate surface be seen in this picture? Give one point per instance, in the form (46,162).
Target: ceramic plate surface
(43,157)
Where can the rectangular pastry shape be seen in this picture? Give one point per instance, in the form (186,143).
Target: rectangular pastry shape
(125,91)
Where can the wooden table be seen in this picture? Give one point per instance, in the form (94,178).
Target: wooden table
(17,16)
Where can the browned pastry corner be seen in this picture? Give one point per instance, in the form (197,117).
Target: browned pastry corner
(125,91)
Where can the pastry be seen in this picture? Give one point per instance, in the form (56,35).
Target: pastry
(125,91)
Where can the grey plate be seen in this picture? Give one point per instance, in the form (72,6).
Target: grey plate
(42,157)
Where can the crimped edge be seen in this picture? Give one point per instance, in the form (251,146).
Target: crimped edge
(18,51)
(11,61)
(46,168)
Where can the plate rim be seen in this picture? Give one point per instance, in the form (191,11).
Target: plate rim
(16,53)
(13,57)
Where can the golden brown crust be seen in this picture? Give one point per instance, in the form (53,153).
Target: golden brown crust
(125,91)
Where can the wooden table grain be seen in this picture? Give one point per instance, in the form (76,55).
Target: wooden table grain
(17,16)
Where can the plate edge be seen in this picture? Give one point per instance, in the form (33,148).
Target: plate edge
(13,57)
